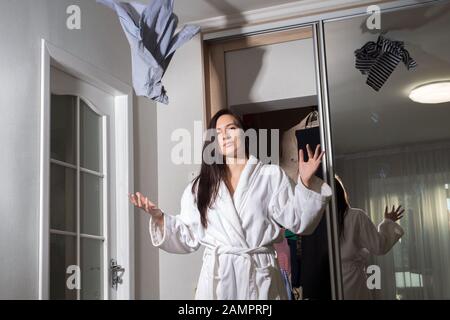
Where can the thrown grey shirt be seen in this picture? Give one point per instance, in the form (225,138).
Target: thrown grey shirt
(150,30)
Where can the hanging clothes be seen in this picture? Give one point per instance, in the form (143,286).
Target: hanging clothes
(239,261)
(293,242)
(284,260)
(290,235)
(287,284)
(283,254)
(294,247)
(150,31)
(378,60)
(289,150)
(314,267)
(309,254)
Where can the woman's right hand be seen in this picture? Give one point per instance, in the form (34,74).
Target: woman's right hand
(145,204)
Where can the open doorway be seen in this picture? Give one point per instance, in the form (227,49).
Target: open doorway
(270,81)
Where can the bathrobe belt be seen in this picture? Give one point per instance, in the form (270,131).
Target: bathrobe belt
(243,252)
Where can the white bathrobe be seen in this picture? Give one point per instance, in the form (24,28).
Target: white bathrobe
(239,261)
(362,239)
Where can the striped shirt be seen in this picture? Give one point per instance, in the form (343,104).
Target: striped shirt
(378,60)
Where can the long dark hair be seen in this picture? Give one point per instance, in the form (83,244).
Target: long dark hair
(342,204)
(206,185)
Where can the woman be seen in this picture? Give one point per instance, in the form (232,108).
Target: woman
(359,238)
(235,209)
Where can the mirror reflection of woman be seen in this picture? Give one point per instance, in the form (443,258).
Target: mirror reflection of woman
(235,210)
(359,238)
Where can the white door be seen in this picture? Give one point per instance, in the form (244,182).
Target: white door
(83,236)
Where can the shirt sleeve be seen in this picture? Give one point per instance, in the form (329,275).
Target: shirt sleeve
(180,233)
(380,241)
(297,207)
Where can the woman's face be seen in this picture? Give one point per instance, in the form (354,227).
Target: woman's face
(229,137)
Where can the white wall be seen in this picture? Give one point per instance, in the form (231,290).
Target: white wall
(184,82)
(100,42)
(146,181)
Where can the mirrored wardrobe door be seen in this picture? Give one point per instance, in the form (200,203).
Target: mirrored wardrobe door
(391,147)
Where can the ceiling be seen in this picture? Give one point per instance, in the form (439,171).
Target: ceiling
(192,10)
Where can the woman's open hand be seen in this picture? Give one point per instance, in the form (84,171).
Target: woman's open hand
(307,169)
(394,214)
(145,204)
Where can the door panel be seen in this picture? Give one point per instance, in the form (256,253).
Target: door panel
(90,138)
(91,269)
(63,133)
(62,255)
(91,193)
(82,183)
(63,203)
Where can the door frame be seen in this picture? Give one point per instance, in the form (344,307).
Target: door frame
(123,116)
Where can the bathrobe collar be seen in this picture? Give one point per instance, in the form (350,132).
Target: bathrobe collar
(245,181)
(231,207)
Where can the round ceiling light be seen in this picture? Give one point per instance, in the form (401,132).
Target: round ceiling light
(434,92)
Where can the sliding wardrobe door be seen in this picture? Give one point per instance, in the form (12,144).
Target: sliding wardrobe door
(391,148)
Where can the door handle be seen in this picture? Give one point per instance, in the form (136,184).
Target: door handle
(117,272)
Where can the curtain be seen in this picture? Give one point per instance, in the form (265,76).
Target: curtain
(418,178)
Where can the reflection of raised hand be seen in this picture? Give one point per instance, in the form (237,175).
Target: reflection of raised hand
(307,169)
(394,214)
(145,204)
